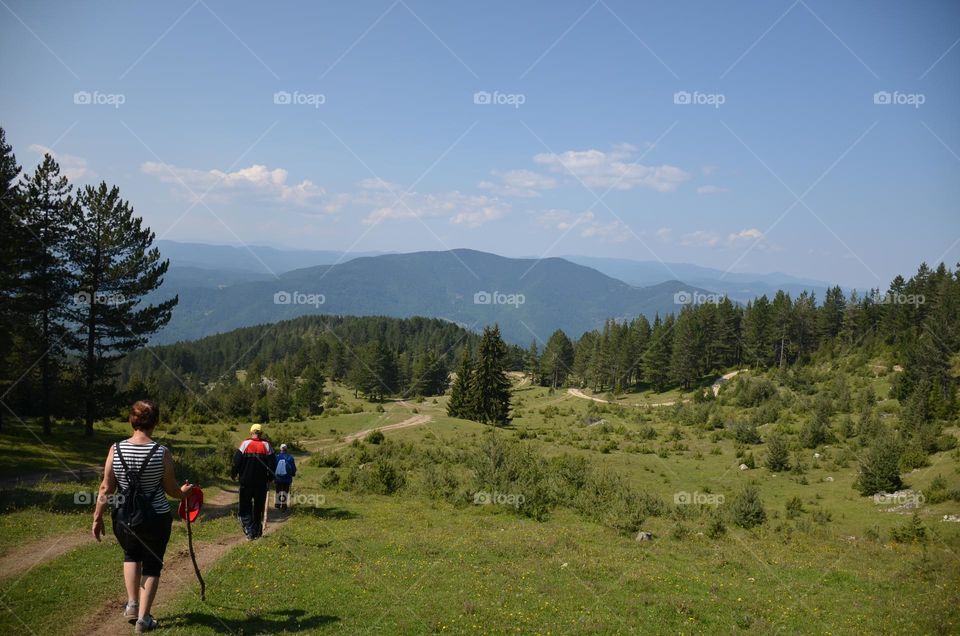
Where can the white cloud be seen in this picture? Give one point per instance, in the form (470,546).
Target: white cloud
(748,235)
(664,234)
(586,224)
(72,167)
(700,238)
(613,169)
(709,170)
(707,238)
(394,203)
(257,180)
(711,189)
(519,183)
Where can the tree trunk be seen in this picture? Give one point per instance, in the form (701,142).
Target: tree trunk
(89,401)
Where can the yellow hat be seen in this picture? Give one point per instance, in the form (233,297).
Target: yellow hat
(256,428)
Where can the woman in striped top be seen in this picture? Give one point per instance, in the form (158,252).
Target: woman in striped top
(143,548)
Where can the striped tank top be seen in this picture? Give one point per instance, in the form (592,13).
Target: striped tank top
(133,455)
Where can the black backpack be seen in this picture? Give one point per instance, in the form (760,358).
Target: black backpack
(134,508)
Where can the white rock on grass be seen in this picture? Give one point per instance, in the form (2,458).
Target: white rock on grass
(644,536)
(744,467)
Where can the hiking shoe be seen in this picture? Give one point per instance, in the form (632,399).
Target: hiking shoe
(145,624)
(131,611)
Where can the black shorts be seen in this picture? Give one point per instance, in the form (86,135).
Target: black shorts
(147,544)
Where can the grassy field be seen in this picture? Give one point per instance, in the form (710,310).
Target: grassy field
(426,559)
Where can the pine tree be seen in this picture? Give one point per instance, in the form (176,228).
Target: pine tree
(490,390)
(880,466)
(778,453)
(656,360)
(459,404)
(685,356)
(557,359)
(10,230)
(115,265)
(532,363)
(45,277)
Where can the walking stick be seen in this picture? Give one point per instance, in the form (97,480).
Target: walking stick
(266,509)
(188,513)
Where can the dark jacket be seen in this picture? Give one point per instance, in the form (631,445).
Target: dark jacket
(254,462)
(291,467)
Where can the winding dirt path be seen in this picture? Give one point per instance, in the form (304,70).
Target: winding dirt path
(715,387)
(416,420)
(87,472)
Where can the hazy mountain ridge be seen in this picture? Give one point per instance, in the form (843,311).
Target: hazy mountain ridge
(529,298)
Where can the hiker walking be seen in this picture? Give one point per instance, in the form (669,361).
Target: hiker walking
(253,464)
(142,469)
(284,474)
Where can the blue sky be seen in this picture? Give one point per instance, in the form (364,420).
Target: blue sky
(781,160)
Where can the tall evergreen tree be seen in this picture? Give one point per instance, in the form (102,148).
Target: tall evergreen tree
(557,359)
(685,356)
(10,231)
(45,278)
(115,265)
(459,404)
(532,363)
(490,390)
(656,360)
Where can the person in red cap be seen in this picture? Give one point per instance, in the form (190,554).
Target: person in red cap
(253,465)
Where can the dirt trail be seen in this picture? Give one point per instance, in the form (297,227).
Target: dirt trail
(83,473)
(29,555)
(177,576)
(715,387)
(416,420)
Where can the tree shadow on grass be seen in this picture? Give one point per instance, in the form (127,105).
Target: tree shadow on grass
(269,622)
(317,512)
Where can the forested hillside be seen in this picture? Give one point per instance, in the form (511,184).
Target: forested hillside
(277,371)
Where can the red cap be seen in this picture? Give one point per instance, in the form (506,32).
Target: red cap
(193,498)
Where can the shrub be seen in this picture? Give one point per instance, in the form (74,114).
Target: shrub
(794,507)
(880,466)
(375,437)
(746,433)
(716,528)
(911,532)
(747,508)
(778,454)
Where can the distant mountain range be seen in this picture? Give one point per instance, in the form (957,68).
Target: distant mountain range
(529,298)
(738,286)
(224,287)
